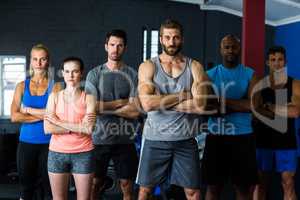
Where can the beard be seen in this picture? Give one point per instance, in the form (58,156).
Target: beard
(231,58)
(171,50)
(115,57)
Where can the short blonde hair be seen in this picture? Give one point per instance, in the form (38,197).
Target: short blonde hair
(39,47)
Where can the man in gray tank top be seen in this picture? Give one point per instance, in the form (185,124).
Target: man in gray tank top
(114,85)
(171,90)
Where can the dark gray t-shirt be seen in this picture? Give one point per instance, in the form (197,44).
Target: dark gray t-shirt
(107,85)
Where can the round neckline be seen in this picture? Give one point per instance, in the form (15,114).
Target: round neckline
(118,70)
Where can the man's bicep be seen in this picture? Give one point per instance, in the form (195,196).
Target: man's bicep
(145,79)
(254,80)
(296,93)
(200,80)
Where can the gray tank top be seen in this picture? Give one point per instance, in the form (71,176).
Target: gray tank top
(169,125)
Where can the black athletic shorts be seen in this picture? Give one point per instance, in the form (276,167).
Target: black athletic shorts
(229,158)
(124,157)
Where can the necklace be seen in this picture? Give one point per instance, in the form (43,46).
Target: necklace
(37,87)
(36,82)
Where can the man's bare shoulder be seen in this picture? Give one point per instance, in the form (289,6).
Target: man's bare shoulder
(296,83)
(197,68)
(146,68)
(197,64)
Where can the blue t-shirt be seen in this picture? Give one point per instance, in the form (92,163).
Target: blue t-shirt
(34,132)
(231,83)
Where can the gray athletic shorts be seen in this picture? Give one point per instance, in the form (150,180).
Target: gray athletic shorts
(77,163)
(174,162)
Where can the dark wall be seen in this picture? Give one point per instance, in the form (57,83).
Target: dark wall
(78,27)
(288,36)
(219,24)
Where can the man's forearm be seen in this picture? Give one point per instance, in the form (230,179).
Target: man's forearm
(190,106)
(160,102)
(128,111)
(289,111)
(111,105)
(241,105)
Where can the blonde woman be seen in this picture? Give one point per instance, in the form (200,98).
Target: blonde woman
(71,118)
(28,107)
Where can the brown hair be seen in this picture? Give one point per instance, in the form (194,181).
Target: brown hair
(116,33)
(276,49)
(170,23)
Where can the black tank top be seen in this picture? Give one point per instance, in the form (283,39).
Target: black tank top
(266,136)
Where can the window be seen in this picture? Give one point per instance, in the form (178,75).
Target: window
(12,71)
(145,46)
(151,45)
(154,43)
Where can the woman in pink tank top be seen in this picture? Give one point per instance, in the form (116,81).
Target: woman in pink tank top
(70,119)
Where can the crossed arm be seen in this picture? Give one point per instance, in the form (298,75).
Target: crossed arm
(184,101)
(242,105)
(196,104)
(26,114)
(127,108)
(293,108)
(290,110)
(54,125)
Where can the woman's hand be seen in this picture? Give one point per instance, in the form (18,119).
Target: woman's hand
(89,122)
(52,118)
(25,110)
(89,118)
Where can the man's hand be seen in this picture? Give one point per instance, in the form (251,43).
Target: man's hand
(121,103)
(185,95)
(106,107)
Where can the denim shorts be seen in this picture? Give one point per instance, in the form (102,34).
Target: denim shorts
(77,163)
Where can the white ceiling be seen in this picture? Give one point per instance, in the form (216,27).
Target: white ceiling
(278,12)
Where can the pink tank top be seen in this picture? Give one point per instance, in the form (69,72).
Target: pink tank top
(71,142)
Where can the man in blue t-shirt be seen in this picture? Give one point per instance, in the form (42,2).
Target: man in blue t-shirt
(230,146)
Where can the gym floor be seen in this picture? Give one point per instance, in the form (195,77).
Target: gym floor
(9,190)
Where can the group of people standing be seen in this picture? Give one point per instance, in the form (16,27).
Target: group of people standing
(79,130)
